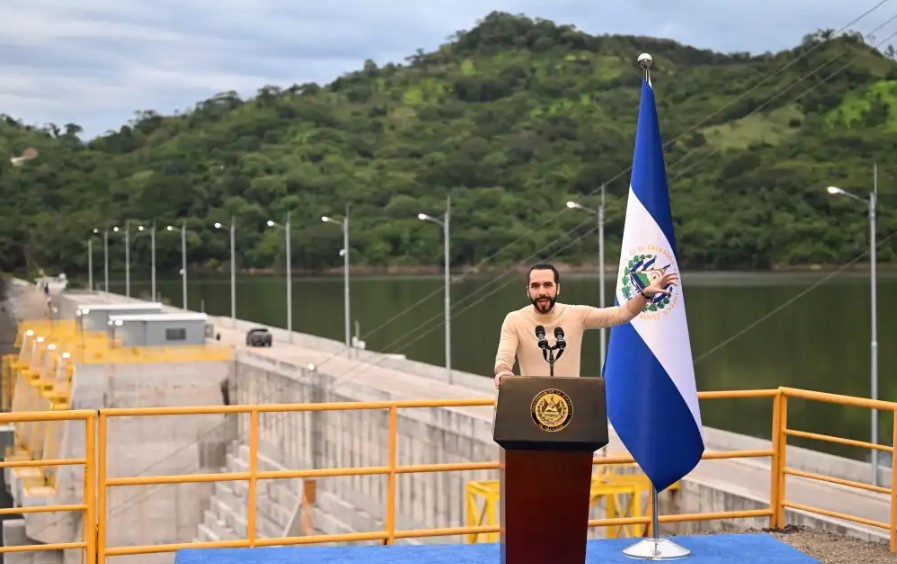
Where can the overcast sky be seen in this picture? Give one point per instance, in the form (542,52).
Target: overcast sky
(96,62)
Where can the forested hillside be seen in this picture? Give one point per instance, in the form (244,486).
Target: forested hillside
(512,119)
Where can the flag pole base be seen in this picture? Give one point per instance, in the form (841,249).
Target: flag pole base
(656,549)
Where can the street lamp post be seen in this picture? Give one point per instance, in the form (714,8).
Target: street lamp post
(288,236)
(93,232)
(141,228)
(127,261)
(183,261)
(233,275)
(106,259)
(345,223)
(90,263)
(153,258)
(600,214)
(873,344)
(448,300)
(128,258)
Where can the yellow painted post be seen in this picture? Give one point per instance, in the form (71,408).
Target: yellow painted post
(90,499)
(493,493)
(783,451)
(101,483)
(610,503)
(637,529)
(391,479)
(774,501)
(309,496)
(476,516)
(893,488)
(470,511)
(253,469)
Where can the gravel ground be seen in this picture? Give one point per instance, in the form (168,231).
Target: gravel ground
(830,548)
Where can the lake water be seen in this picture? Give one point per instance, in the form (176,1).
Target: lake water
(742,337)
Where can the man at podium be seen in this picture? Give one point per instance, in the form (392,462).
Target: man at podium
(518,330)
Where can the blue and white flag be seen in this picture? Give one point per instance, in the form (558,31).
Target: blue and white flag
(652,400)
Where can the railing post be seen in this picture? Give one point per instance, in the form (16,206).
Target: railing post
(90,498)
(893,488)
(391,480)
(253,469)
(783,451)
(101,484)
(774,499)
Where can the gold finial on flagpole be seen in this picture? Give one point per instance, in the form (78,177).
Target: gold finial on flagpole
(646,61)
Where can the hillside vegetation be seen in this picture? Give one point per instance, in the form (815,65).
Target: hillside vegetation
(512,119)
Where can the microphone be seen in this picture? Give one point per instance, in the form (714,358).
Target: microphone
(540,334)
(559,337)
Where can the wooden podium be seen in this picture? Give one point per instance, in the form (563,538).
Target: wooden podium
(549,429)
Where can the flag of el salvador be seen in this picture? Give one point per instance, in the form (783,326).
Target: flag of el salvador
(652,399)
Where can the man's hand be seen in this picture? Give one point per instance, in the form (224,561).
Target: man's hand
(500,376)
(659,285)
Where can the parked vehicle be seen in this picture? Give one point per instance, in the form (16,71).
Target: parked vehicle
(258,337)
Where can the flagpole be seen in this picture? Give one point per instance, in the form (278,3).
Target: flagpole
(654,548)
(645,60)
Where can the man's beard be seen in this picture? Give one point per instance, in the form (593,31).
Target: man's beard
(543,308)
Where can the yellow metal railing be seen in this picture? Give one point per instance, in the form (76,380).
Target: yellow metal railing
(781,470)
(389,534)
(391,470)
(22,464)
(96,512)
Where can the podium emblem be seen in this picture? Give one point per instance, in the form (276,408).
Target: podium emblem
(552,410)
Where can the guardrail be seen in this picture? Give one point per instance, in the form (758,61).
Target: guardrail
(99,482)
(87,506)
(781,471)
(389,534)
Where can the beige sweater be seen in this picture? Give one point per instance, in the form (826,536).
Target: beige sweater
(518,337)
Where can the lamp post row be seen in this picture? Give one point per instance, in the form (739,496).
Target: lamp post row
(445,224)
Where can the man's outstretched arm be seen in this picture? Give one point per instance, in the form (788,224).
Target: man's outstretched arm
(507,351)
(596,318)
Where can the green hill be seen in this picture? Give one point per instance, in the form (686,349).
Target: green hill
(511,118)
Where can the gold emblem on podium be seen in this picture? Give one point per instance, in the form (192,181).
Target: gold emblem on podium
(552,410)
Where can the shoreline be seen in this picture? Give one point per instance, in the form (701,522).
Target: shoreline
(564,267)
(574,270)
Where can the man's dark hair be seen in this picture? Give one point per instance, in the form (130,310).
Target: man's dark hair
(544,266)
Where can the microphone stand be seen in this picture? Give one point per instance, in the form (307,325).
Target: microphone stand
(548,353)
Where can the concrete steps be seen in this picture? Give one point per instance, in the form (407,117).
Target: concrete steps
(276,500)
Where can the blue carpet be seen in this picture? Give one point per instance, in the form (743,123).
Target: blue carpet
(706,549)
